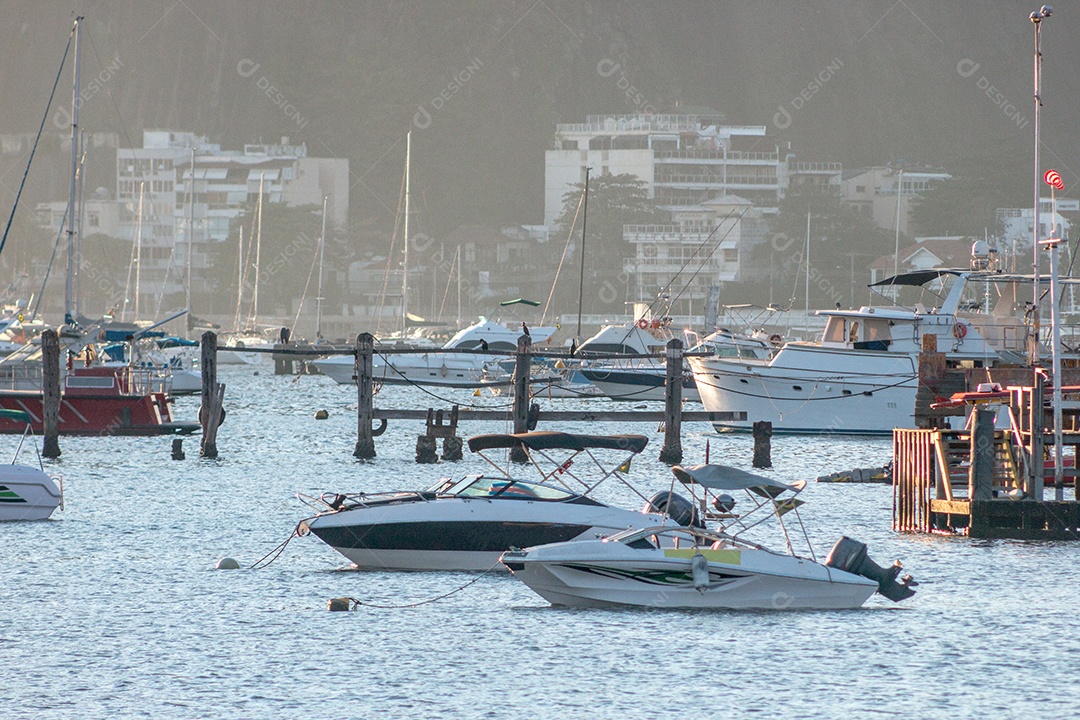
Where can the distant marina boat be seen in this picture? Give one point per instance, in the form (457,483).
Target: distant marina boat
(458,369)
(862,376)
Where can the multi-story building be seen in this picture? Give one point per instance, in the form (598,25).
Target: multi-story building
(885,194)
(683,160)
(1017,228)
(701,248)
(226,184)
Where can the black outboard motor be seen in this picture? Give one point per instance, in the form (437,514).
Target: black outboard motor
(850,556)
(675,507)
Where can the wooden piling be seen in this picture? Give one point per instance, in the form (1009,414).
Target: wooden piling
(1037,412)
(981,472)
(763,444)
(672,452)
(50,392)
(365,439)
(520,410)
(213,395)
(178,449)
(283,362)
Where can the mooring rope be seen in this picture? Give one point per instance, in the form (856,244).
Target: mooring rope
(276,552)
(357,602)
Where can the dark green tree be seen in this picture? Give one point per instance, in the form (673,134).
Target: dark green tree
(614,201)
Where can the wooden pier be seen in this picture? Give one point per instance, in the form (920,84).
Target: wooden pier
(984,482)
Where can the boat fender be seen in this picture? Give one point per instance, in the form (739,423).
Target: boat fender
(204,414)
(699,569)
(376,432)
(533,417)
(675,506)
(850,556)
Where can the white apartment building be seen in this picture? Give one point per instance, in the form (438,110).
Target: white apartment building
(878,192)
(226,184)
(1018,227)
(683,160)
(701,248)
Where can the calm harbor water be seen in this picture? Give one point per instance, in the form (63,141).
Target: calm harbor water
(113,608)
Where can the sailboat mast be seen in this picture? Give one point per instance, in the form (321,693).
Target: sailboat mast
(405,262)
(458,286)
(258,248)
(581,276)
(190,240)
(69,284)
(82,215)
(322,254)
(239,279)
(138,250)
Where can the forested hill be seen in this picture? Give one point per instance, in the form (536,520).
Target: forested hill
(483,83)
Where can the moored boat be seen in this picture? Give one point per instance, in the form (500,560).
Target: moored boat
(466,524)
(694,567)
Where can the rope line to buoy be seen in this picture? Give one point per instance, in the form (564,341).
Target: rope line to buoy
(356,602)
(276,552)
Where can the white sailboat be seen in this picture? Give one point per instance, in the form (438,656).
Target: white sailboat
(232,349)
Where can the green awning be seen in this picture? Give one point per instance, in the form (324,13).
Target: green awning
(16,415)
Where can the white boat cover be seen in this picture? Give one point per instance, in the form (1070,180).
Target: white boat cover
(722,477)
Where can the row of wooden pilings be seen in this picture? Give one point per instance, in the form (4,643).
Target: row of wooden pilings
(211,409)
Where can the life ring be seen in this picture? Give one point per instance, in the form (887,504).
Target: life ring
(643,324)
(775,339)
(959,330)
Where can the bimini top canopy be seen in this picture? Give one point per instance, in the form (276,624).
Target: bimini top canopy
(722,477)
(917,278)
(559,441)
(520,301)
(16,415)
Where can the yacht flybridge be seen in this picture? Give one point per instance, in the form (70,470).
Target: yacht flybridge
(861,377)
(467,523)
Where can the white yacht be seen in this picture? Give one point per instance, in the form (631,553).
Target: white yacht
(862,376)
(643,379)
(453,369)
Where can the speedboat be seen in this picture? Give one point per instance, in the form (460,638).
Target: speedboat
(467,523)
(693,567)
(460,368)
(27,493)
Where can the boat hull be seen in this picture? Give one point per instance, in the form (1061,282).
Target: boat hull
(636,384)
(462,533)
(811,391)
(89,414)
(577,578)
(27,493)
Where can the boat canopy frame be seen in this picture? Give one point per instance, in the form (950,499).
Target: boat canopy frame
(541,448)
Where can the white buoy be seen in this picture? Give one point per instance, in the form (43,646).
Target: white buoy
(699,568)
(227,564)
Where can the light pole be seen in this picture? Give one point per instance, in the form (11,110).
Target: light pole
(1036,18)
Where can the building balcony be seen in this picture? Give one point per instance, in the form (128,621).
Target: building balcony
(823,168)
(733,157)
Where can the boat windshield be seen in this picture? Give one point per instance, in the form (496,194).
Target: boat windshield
(514,489)
(653,537)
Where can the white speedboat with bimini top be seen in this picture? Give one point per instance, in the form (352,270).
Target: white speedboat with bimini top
(692,567)
(27,493)
(466,524)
